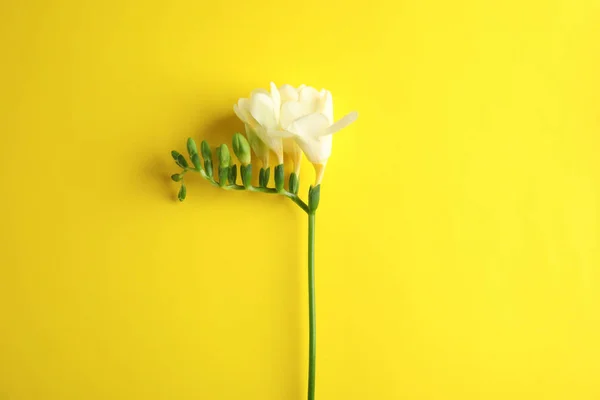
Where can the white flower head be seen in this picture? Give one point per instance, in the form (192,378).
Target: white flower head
(292,120)
(308,119)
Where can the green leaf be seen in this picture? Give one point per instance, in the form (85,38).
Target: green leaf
(182,193)
(177,177)
(208,167)
(175,154)
(191,147)
(314,195)
(196,161)
(294,183)
(279,177)
(181,161)
(261,177)
(224,156)
(232,174)
(206,153)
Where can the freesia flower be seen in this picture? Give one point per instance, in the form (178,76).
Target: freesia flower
(289,120)
(307,117)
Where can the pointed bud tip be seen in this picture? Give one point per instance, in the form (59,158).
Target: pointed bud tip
(224,156)
(241,148)
(191,147)
(205,148)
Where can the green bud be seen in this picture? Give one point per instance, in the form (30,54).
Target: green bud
(246,172)
(208,167)
(196,161)
(191,147)
(177,177)
(181,161)
(223,172)
(294,183)
(206,153)
(182,193)
(267,176)
(175,154)
(224,157)
(232,174)
(279,177)
(314,194)
(241,148)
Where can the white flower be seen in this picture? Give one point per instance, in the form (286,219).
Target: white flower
(289,120)
(307,117)
(260,114)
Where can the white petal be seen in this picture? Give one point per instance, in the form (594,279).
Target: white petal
(275,95)
(239,113)
(312,125)
(280,133)
(309,98)
(288,93)
(316,150)
(319,171)
(244,104)
(326,105)
(261,108)
(342,123)
(290,111)
(301,87)
(272,141)
(242,110)
(260,149)
(257,91)
(293,151)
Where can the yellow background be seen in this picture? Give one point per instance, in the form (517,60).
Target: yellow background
(457,238)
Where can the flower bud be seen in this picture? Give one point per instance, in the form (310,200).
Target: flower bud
(241,148)
(263,177)
(208,167)
(191,147)
(314,195)
(223,173)
(279,177)
(179,159)
(294,183)
(182,193)
(206,153)
(177,177)
(224,157)
(196,161)
(232,174)
(267,176)
(246,172)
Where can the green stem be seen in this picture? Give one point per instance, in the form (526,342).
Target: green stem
(312,313)
(282,192)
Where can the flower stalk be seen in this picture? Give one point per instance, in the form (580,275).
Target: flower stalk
(284,120)
(313,203)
